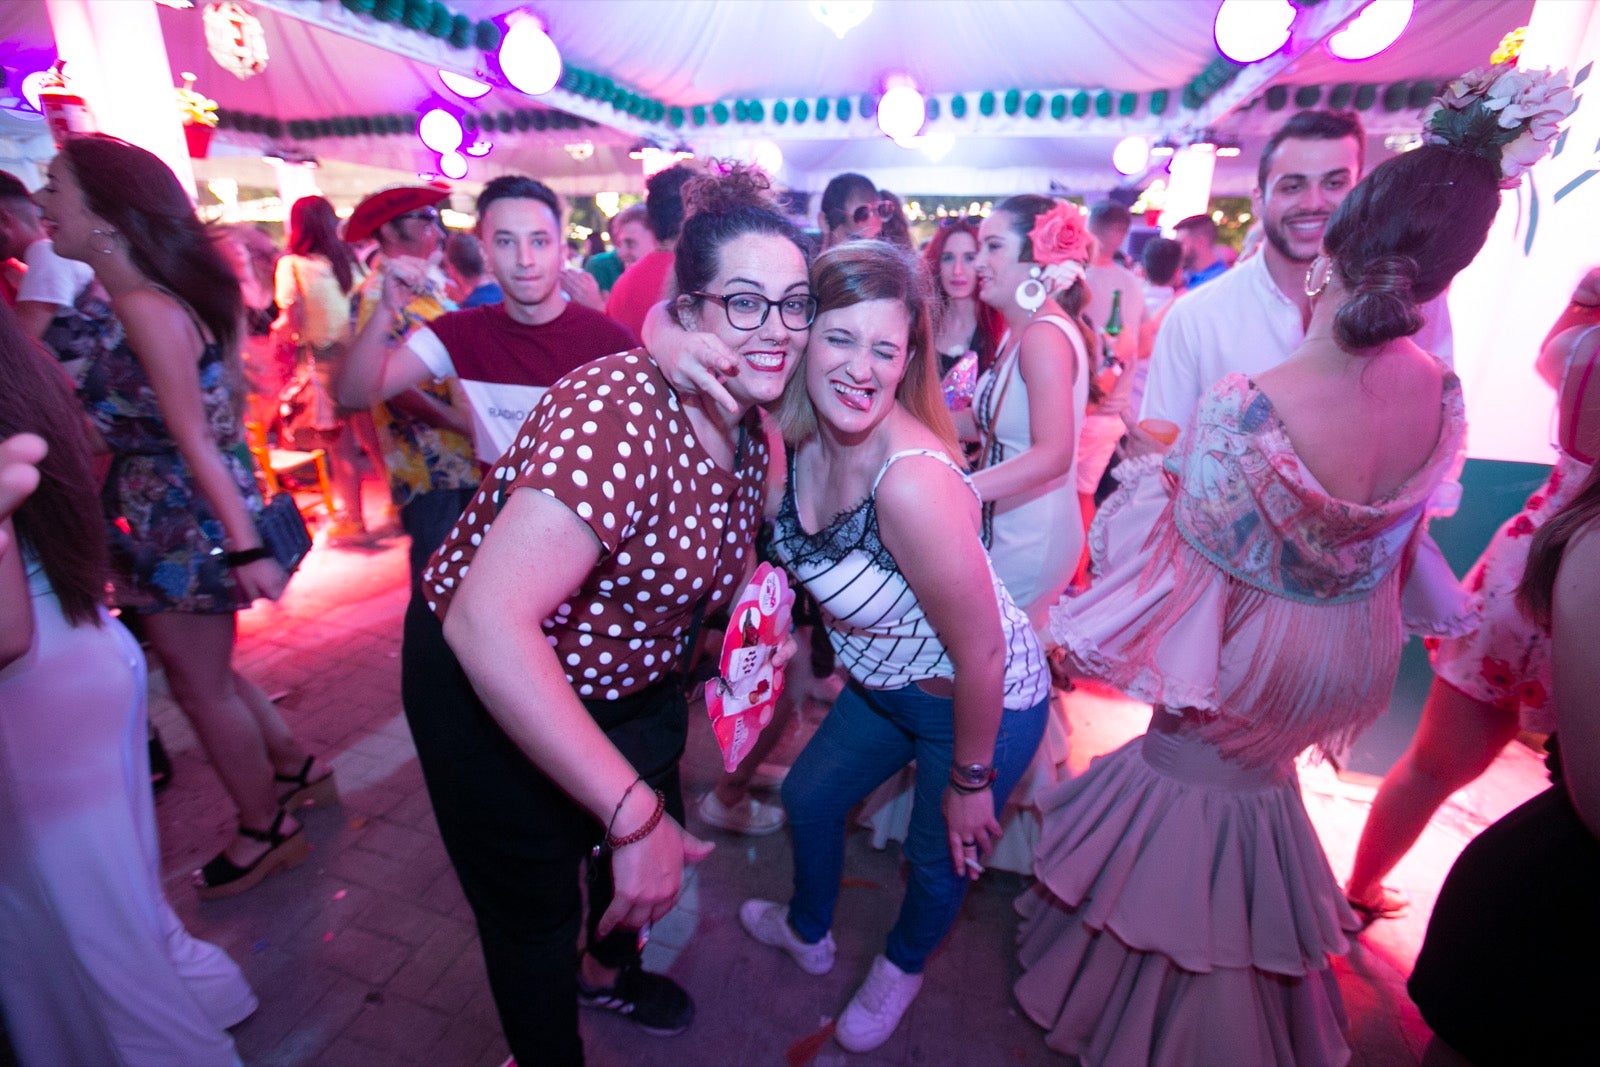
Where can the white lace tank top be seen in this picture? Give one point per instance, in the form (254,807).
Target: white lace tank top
(878,629)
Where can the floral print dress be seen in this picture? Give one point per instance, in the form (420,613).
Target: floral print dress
(166,542)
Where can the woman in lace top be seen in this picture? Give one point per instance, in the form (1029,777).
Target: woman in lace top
(882,526)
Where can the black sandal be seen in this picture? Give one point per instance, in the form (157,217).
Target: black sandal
(305,793)
(223,878)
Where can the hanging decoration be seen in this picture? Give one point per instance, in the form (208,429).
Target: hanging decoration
(1378,26)
(198,113)
(65,112)
(841,16)
(235,39)
(431,18)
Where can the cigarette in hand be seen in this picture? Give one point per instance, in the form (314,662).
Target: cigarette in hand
(973,865)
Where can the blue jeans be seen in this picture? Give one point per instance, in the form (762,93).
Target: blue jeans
(868,736)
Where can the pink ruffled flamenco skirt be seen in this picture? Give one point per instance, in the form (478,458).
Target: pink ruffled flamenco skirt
(1184,913)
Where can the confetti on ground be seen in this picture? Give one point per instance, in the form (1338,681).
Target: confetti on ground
(859,883)
(340,894)
(805,1050)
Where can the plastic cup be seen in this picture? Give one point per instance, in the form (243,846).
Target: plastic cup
(1162,430)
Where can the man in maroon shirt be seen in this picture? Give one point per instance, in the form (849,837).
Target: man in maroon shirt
(505,354)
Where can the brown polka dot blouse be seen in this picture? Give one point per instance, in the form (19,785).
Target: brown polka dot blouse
(611,442)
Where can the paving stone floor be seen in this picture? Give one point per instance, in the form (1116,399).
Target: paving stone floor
(367,955)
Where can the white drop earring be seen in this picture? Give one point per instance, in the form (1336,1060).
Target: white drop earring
(1032,292)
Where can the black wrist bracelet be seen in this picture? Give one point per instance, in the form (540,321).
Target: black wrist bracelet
(245,555)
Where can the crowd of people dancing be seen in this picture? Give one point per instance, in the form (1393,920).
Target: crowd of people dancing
(1008,457)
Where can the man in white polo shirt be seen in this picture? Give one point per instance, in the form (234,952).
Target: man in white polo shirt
(505,354)
(1249,319)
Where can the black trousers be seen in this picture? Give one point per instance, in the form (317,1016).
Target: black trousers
(1506,975)
(517,841)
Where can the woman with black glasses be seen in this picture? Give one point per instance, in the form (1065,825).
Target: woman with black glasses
(543,664)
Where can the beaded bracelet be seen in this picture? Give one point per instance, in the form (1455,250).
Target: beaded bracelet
(613,843)
(626,793)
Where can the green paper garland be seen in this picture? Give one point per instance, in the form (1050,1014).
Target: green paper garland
(1058,107)
(1080,105)
(1158,102)
(1339,96)
(822,108)
(1394,97)
(1102,104)
(801,110)
(1307,96)
(958,106)
(931,107)
(1127,103)
(843,110)
(1366,96)
(699,115)
(1013,101)
(986,105)
(1277,98)
(1033,105)
(719,112)
(780,112)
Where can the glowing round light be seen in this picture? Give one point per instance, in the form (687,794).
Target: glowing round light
(935,146)
(1376,28)
(767,156)
(1250,30)
(452,164)
(480,147)
(30,88)
(1131,155)
(440,131)
(461,85)
(901,111)
(528,57)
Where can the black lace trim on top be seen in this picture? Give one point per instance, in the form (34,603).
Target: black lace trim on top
(853,530)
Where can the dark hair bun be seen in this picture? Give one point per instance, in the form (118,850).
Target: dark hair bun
(1381,306)
(731,187)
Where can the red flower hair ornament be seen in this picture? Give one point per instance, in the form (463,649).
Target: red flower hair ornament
(1061,244)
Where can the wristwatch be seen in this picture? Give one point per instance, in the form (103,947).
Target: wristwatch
(971,777)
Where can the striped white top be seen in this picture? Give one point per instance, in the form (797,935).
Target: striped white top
(877,627)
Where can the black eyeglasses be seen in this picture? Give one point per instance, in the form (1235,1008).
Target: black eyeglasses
(429,215)
(748,311)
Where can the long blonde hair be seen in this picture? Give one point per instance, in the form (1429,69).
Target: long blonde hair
(856,272)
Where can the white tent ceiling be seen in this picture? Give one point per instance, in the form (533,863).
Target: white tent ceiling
(698,52)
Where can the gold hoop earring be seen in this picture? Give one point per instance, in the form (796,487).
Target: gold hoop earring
(1313,290)
(110,237)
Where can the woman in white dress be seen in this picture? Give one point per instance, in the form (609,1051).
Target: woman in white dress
(94,965)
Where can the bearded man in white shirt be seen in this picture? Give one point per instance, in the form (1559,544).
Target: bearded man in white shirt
(1250,318)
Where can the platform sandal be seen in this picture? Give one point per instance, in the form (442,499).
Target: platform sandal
(224,878)
(306,792)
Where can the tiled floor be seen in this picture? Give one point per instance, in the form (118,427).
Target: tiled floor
(367,953)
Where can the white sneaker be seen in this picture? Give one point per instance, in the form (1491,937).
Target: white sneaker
(876,1009)
(768,923)
(749,817)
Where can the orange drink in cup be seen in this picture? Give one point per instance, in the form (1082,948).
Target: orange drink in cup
(1162,430)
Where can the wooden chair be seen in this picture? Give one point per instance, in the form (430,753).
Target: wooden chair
(275,461)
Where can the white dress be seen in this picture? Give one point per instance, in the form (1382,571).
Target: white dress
(1037,540)
(1037,537)
(94,966)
